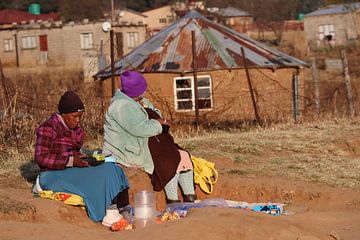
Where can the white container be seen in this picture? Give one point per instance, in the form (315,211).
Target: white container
(144,208)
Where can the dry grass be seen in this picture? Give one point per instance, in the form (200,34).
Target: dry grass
(325,151)
(321,151)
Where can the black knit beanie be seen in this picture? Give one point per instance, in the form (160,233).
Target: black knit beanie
(70,102)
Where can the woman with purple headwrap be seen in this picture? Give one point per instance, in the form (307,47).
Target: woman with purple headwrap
(137,136)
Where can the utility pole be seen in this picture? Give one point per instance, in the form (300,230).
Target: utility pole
(193,41)
(347,83)
(295,95)
(258,120)
(112,62)
(315,85)
(112,12)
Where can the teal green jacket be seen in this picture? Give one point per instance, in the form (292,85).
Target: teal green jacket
(127,129)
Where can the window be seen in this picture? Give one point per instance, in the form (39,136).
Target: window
(86,40)
(162,20)
(28,42)
(8,45)
(185,94)
(326,31)
(133,39)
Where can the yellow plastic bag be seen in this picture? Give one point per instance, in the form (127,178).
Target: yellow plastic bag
(205,174)
(68,198)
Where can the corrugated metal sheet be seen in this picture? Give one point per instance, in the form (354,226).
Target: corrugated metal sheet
(217,47)
(8,16)
(335,9)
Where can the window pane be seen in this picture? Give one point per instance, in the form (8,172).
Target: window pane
(132,39)
(184,94)
(33,42)
(326,29)
(184,105)
(204,103)
(28,42)
(203,82)
(8,45)
(86,40)
(183,83)
(204,93)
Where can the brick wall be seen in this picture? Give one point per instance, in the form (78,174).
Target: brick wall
(346,27)
(231,96)
(64,45)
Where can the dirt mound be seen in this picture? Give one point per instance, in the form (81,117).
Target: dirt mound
(315,212)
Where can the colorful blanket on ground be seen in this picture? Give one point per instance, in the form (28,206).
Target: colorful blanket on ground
(179,210)
(68,198)
(269,208)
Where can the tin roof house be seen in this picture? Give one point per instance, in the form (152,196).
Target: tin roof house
(333,25)
(236,77)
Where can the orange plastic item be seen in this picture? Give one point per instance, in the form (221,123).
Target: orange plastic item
(120,225)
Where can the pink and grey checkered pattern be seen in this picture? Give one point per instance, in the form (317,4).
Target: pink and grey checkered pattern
(56,142)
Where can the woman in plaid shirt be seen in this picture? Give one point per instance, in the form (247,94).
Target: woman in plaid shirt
(104,188)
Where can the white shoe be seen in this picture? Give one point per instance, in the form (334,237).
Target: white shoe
(37,188)
(112,216)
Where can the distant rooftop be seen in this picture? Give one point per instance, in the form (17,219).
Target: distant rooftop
(232,12)
(9,16)
(217,47)
(335,9)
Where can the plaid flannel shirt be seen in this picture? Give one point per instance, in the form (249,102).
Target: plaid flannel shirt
(56,143)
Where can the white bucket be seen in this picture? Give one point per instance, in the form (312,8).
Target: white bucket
(144,208)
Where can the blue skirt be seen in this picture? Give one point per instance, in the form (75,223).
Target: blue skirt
(98,186)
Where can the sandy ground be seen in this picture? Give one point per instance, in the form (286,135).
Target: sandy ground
(318,212)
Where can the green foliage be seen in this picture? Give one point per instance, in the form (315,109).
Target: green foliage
(79,9)
(47,6)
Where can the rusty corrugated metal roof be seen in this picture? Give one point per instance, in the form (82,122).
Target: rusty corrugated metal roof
(9,16)
(217,47)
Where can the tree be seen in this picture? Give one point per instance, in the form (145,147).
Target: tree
(71,10)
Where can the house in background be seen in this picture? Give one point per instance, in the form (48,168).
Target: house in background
(129,28)
(237,19)
(222,83)
(332,25)
(159,18)
(74,45)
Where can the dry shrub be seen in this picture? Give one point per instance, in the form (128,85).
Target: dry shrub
(33,97)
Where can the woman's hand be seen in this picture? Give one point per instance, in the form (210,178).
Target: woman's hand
(165,124)
(163,121)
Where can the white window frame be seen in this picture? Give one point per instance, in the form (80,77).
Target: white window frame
(191,78)
(326,29)
(132,39)
(8,45)
(163,20)
(86,41)
(28,42)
